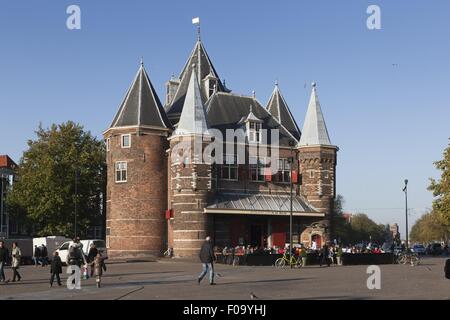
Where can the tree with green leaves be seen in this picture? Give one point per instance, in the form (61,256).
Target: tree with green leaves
(365,229)
(429,228)
(61,160)
(441,190)
(339,226)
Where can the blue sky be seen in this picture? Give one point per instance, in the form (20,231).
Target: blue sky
(390,122)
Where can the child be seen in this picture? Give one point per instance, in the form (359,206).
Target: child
(99,266)
(55,269)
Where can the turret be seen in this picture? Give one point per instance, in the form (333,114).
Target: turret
(317,158)
(190,175)
(137,173)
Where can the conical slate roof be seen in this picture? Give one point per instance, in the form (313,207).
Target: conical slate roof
(204,68)
(314,129)
(279,109)
(193,117)
(141,106)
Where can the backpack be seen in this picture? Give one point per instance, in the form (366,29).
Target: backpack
(447,269)
(74,253)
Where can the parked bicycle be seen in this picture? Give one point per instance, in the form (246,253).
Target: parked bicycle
(408,257)
(285,260)
(168,253)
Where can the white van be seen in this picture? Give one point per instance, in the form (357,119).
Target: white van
(63,250)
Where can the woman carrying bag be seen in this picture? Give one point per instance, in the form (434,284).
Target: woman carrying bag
(16,255)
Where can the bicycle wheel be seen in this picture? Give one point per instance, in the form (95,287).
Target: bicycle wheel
(402,259)
(280,263)
(415,260)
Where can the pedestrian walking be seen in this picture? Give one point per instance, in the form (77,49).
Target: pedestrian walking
(4,256)
(93,251)
(44,255)
(76,256)
(207,259)
(55,269)
(339,255)
(331,255)
(36,255)
(324,256)
(16,254)
(99,266)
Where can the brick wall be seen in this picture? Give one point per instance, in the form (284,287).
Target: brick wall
(136,225)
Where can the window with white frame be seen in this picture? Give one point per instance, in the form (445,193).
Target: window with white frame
(257,169)
(126,140)
(284,170)
(108,144)
(121,171)
(254,132)
(229,168)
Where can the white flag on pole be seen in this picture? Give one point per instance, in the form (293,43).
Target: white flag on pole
(196,20)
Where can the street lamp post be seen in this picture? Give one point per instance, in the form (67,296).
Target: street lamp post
(405,189)
(290,216)
(291,160)
(76,200)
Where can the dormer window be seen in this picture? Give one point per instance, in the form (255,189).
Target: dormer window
(254,127)
(212,87)
(254,132)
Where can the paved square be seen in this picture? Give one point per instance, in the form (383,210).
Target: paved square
(176,279)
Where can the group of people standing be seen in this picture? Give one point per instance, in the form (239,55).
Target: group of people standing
(75,257)
(40,255)
(13,258)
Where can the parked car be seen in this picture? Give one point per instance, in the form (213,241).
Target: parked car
(434,249)
(64,248)
(419,249)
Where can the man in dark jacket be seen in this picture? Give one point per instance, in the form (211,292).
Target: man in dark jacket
(93,251)
(4,256)
(44,255)
(207,258)
(55,269)
(36,255)
(324,255)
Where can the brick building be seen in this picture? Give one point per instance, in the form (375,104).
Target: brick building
(159,195)
(9,228)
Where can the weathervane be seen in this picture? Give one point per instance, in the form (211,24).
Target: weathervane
(196,21)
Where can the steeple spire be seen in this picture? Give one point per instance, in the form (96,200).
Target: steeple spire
(193,116)
(203,69)
(279,109)
(314,129)
(141,106)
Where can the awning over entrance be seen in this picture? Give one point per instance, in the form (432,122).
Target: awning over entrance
(261,204)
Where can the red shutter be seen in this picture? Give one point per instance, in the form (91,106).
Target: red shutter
(169,214)
(294,176)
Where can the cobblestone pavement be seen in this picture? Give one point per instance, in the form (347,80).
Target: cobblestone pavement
(176,279)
